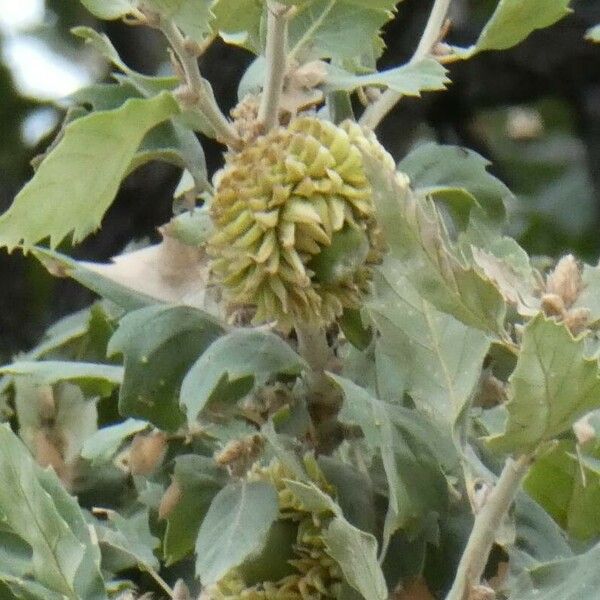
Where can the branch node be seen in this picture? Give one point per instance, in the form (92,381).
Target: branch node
(276,56)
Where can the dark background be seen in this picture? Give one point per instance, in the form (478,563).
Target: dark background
(534,111)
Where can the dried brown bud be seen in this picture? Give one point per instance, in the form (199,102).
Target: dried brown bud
(147,452)
(565,281)
(563,287)
(482,592)
(170,500)
(584,432)
(46,404)
(240,455)
(413,589)
(577,320)
(442,49)
(46,452)
(181,591)
(192,47)
(524,124)
(492,391)
(553,305)
(187,97)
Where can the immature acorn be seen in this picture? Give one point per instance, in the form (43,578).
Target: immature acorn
(296,235)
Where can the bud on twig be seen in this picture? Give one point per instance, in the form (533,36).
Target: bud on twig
(181,591)
(170,500)
(146,453)
(565,281)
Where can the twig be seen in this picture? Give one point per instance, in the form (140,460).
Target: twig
(277,26)
(375,113)
(313,346)
(200,95)
(487,522)
(159,580)
(322,396)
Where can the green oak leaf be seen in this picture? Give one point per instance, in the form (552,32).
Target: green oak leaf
(101,447)
(439,358)
(110,9)
(193,17)
(354,550)
(439,171)
(69,331)
(15,554)
(590,295)
(198,480)
(238,355)
(556,482)
(513,21)
(146,85)
(127,542)
(312,498)
(235,527)
(239,22)
(63,266)
(159,344)
(21,588)
(171,141)
(337,262)
(355,492)
(502,260)
(354,329)
(93,378)
(65,559)
(540,538)
(552,386)
(404,444)
(568,579)
(409,80)
(356,553)
(192,228)
(418,241)
(337,28)
(81,175)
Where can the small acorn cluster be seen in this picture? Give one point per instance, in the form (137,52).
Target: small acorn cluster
(314,574)
(295,230)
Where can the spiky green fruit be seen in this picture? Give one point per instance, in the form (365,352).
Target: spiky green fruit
(296,235)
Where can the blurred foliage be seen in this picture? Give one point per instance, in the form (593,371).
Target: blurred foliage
(538,146)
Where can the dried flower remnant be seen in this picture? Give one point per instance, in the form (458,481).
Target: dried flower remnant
(563,287)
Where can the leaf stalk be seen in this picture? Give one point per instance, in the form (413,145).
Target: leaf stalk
(199,89)
(277,34)
(322,396)
(376,112)
(159,580)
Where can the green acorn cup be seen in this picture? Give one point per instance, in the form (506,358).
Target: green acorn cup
(296,235)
